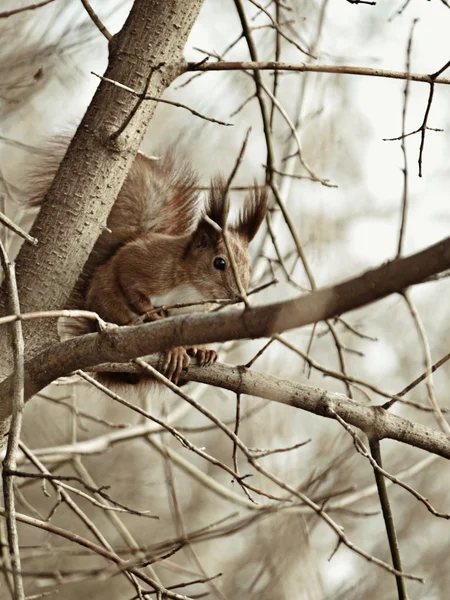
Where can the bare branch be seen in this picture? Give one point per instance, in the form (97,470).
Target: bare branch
(145,96)
(10,13)
(9,462)
(314,68)
(125,343)
(96,20)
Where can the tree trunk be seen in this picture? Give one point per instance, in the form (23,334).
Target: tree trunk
(146,55)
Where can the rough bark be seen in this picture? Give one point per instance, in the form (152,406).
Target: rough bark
(95,165)
(124,343)
(146,55)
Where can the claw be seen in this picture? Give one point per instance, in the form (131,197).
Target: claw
(204,356)
(152,315)
(176,359)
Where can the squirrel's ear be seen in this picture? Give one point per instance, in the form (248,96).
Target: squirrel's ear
(214,204)
(253,213)
(204,237)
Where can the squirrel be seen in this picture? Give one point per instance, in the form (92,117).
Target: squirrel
(157,250)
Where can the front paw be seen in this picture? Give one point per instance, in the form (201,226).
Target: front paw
(205,356)
(176,359)
(155,314)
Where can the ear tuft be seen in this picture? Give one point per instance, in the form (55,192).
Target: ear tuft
(214,205)
(253,213)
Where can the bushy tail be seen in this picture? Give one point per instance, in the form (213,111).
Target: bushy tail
(159,195)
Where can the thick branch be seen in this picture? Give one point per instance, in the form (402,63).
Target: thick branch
(372,420)
(124,343)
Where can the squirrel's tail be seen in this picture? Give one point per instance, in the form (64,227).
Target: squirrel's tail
(159,195)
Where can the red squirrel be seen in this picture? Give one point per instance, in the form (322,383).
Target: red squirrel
(158,250)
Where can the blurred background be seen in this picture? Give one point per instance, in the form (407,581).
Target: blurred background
(345,202)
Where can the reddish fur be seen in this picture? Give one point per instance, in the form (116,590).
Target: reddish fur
(168,243)
(159,241)
(253,213)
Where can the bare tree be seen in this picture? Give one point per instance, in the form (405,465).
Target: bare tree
(137,491)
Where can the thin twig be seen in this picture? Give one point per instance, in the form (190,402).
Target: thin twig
(276,74)
(56,314)
(113,517)
(276,480)
(427,362)
(376,463)
(11,225)
(96,20)
(135,108)
(61,488)
(255,65)
(279,30)
(5,560)
(101,491)
(9,13)
(176,434)
(9,462)
(246,32)
(403,146)
(378,467)
(226,210)
(145,96)
(294,132)
(369,2)
(94,548)
(388,518)
(260,453)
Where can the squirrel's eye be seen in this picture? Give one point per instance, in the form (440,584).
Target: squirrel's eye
(220,263)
